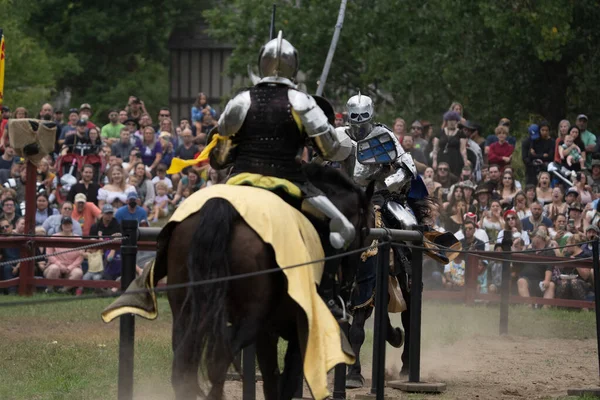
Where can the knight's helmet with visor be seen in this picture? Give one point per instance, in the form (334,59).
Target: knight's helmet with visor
(278,59)
(360,115)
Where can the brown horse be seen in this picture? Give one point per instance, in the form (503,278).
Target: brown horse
(213,323)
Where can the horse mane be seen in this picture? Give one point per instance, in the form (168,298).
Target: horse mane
(319,174)
(422,209)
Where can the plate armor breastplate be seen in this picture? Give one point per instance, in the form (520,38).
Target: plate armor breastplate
(269,141)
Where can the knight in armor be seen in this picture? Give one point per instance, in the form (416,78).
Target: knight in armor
(261,134)
(400,201)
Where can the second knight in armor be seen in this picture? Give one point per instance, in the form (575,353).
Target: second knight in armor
(377,156)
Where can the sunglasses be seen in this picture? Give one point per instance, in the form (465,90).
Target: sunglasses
(67,209)
(5,227)
(510,218)
(164,115)
(443,169)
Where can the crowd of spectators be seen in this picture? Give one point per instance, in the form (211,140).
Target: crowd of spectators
(121,168)
(97,177)
(470,175)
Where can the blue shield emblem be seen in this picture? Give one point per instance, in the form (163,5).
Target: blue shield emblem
(379,149)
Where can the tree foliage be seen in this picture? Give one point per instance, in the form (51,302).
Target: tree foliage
(520,59)
(102,52)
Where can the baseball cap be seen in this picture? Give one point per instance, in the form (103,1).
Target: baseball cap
(107,208)
(80,198)
(534,132)
(339,116)
(73,111)
(594,163)
(85,106)
(132,195)
(582,116)
(504,122)
(5,108)
(417,124)
(81,122)
(593,228)
(572,190)
(66,220)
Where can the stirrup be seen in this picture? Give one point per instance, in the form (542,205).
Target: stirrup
(339,313)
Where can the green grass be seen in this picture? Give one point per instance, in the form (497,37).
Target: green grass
(446,323)
(64,350)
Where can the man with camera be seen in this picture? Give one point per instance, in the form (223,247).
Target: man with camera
(132,212)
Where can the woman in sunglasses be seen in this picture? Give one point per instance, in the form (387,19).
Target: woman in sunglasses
(507,189)
(9,271)
(521,205)
(513,224)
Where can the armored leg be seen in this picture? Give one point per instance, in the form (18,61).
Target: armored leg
(342,232)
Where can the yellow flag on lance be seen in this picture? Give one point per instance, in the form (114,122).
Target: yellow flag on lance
(2,61)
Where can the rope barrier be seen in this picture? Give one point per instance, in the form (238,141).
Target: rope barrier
(33,235)
(167,287)
(44,256)
(508,252)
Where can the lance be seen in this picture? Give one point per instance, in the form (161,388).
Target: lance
(272,32)
(334,40)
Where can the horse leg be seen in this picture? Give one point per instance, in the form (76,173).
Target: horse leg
(217,374)
(405,316)
(354,379)
(291,379)
(184,373)
(266,353)
(394,335)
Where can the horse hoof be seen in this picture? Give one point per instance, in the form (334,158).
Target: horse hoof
(397,339)
(355,382)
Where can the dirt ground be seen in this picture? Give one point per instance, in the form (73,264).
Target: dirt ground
(511,367)
(495,368)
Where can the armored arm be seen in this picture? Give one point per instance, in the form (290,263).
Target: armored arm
(234,114)
(406,170)
(317,126)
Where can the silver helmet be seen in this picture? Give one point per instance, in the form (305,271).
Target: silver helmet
(279,59)
(360,114)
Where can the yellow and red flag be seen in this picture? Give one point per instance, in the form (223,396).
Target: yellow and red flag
(2,61)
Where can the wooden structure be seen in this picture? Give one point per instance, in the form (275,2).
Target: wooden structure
(197,64)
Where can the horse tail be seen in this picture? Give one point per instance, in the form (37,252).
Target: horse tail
(209,258)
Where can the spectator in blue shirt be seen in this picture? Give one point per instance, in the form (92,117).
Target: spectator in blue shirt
(591,234)
(536,218)
(132,212)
